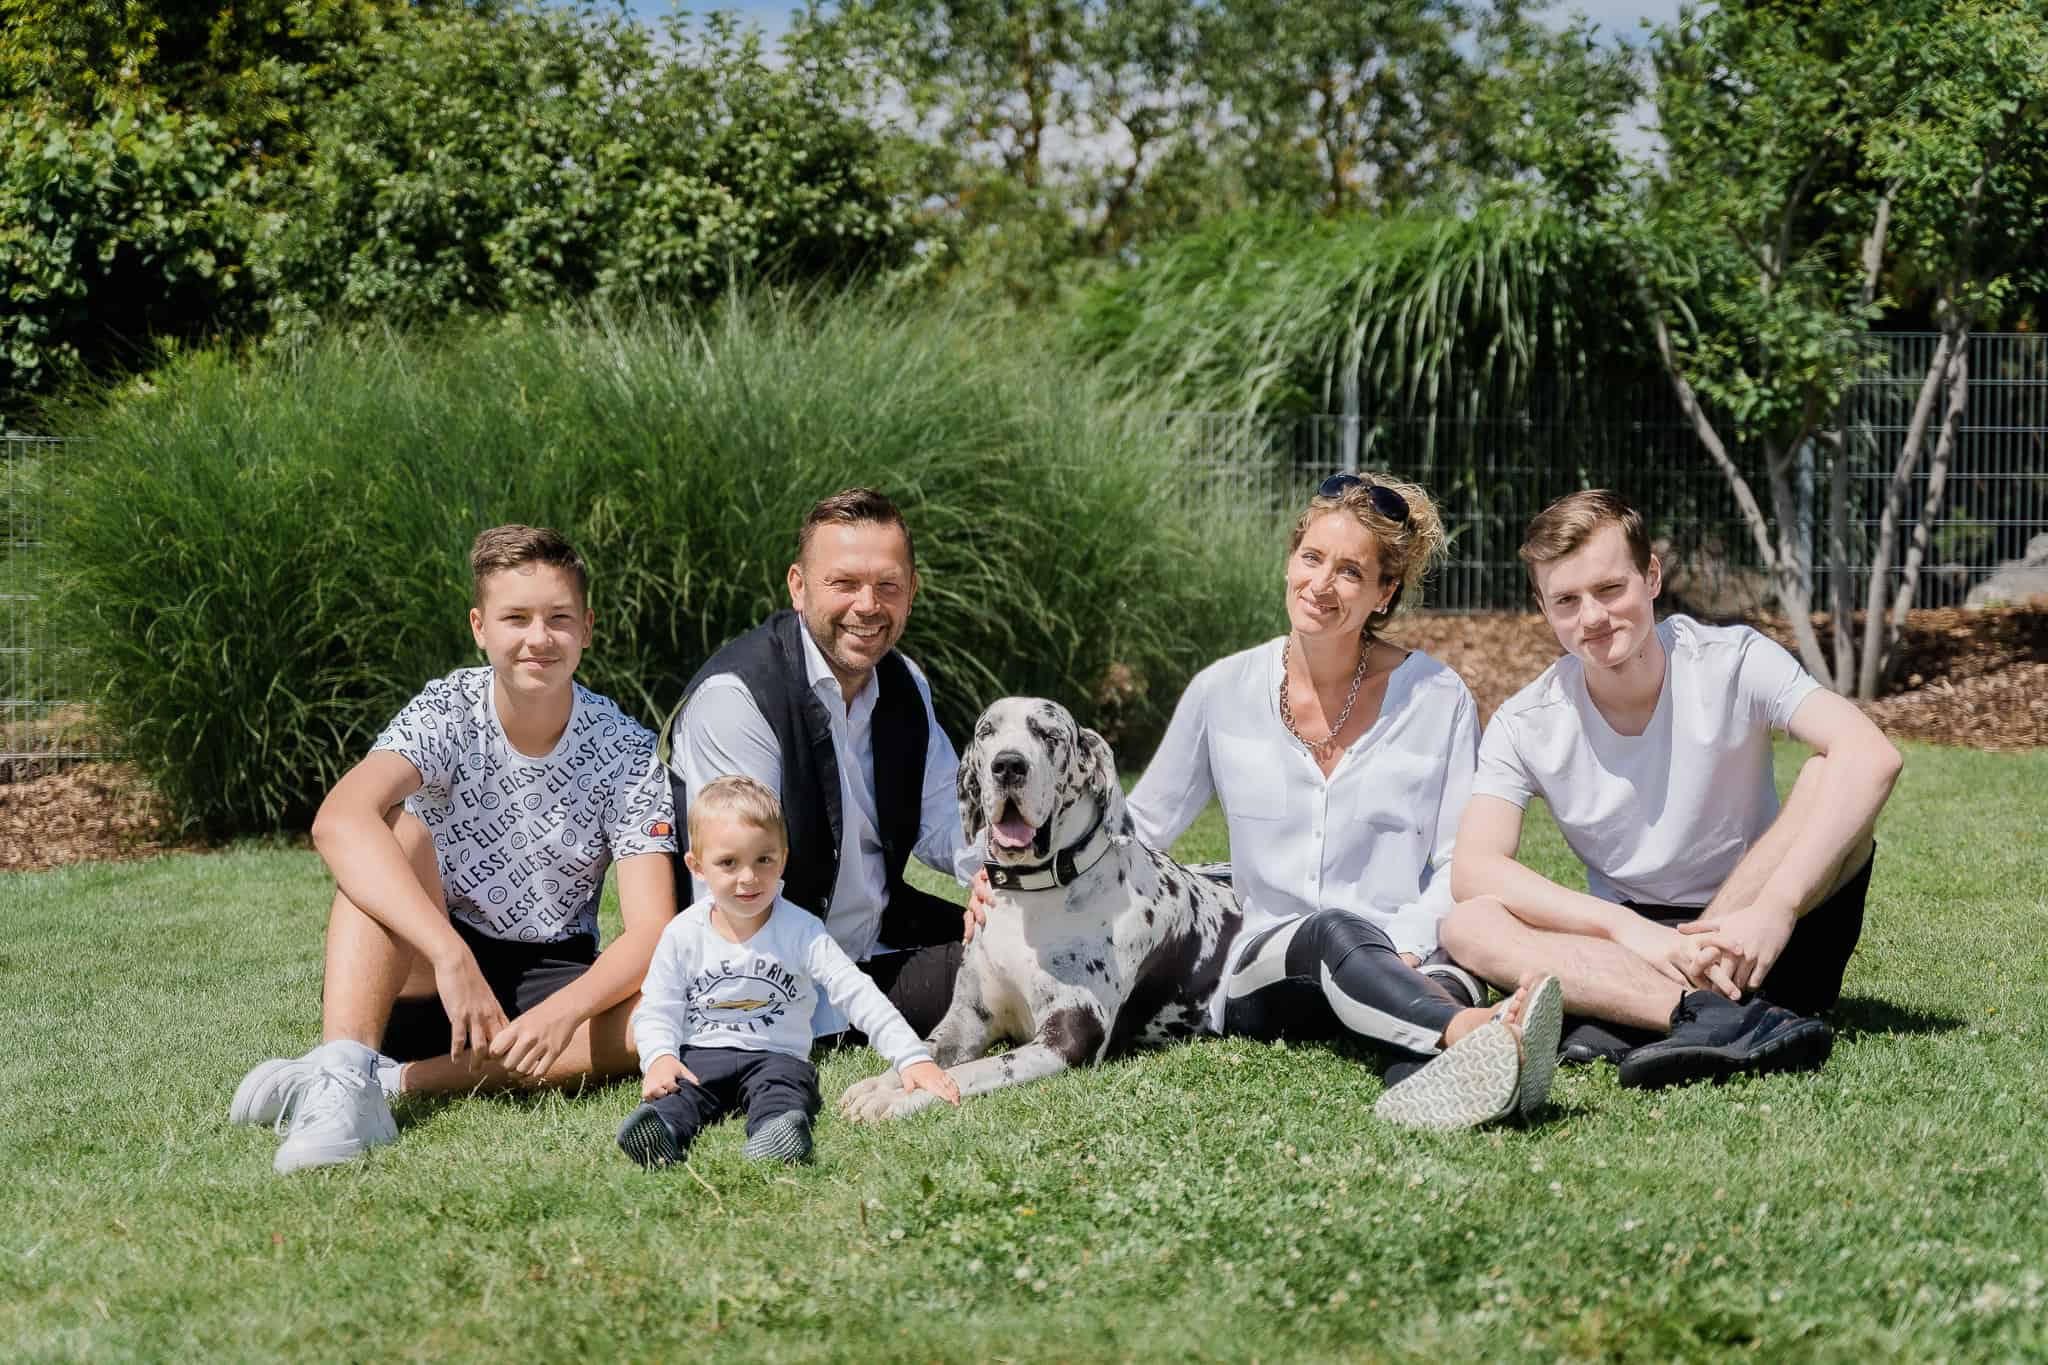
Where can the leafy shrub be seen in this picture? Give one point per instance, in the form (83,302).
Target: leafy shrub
(263,563)
(112,229)
(489,160)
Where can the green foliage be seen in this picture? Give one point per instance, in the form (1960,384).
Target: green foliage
(1264,313)
(116,235)
(1060,132)
(1220,1200)
(487,162)
(253,66)
(264,563)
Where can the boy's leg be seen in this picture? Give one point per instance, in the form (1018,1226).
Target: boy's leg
(659,1132)
(1601,979)
(601,1048)
(369,968)
(780,1094)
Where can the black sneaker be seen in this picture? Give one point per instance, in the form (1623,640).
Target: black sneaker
(645,1136)
(1713,1038)
(1595,1040)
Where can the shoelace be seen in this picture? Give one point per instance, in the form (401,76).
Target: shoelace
(325,1098)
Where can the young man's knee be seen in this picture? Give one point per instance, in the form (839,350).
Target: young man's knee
(1472,925)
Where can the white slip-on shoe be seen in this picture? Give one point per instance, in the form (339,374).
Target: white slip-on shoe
(337,1115)
(1542,1027)
(1473,1081)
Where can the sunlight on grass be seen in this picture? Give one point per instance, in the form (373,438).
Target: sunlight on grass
(1225,1199)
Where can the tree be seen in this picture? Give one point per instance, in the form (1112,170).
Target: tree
(1817,157)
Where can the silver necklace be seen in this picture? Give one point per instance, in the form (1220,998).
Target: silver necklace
(1322,748)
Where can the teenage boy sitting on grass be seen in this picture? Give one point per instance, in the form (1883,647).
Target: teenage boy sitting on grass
(724,1021)
(470,848)
(1651,743)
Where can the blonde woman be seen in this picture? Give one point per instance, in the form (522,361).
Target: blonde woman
(1343,764)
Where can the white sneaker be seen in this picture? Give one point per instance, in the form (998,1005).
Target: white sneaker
(267,1090)
(338,1112)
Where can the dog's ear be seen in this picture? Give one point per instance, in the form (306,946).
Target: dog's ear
(1097,767)
(967,786)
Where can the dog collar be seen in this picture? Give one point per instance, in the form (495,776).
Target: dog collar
(1060,869)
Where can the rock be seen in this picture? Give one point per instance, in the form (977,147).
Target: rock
(2017,580)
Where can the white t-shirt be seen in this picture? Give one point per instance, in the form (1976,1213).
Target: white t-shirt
(704,991)
(1375,837)
(523,843)
(1659,818)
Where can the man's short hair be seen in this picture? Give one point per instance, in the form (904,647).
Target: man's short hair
(852,506)
(515,546)
(1573,519)
(736,797)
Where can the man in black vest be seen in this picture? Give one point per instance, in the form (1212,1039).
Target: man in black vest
(817,703)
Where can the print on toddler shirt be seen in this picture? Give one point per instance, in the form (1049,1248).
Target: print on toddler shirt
(748,994)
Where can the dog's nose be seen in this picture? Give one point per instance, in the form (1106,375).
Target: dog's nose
(1008,767)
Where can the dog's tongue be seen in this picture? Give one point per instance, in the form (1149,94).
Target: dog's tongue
(1013,832)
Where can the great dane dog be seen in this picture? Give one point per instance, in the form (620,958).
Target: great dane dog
(1095,944)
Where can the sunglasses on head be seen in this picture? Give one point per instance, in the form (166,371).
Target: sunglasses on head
(1384,500)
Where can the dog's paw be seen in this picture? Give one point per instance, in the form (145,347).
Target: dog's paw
(865,1100)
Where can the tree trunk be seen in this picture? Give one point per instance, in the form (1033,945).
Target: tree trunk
(1874,621)
(1792,590)
(1842,608)
(1937,486)
(1791,577)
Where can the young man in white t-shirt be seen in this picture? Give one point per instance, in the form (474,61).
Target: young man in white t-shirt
(470,847)
(1651,744)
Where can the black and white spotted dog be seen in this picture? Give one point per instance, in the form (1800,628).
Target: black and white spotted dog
(1095,944)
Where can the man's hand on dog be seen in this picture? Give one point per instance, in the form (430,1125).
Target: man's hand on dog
(980,896)
(665,1076)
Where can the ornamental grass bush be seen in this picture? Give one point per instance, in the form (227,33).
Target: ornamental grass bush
(261,562)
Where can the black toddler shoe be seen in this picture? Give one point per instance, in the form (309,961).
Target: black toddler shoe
(1713,1038)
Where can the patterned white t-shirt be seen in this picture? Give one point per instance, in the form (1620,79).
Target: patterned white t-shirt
(523,843)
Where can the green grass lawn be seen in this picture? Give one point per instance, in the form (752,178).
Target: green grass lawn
(1223,1200)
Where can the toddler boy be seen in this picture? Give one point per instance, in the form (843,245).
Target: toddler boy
(724,1020)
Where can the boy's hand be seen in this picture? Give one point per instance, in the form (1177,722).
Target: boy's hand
(474,1015)
(530,1044)
(665,1077)
(933,1077)
(1749,940)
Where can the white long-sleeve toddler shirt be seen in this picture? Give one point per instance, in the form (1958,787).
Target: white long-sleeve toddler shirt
(705,991)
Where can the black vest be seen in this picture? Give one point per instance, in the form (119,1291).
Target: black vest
(769,660)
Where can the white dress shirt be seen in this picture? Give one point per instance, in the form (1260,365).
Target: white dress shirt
(1375,837)
(723,731)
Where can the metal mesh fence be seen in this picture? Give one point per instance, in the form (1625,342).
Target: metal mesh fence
(41,719)
(1491,475)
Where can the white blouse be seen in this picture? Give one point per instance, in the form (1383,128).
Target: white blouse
(1374,838)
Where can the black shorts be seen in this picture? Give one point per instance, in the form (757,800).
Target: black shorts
(1807,977)
(521,975)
